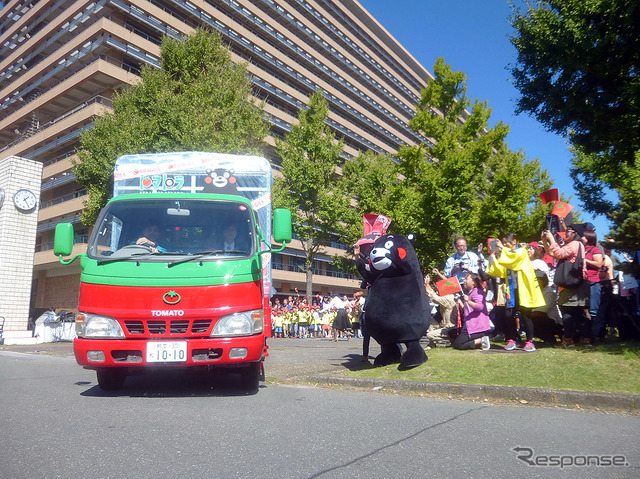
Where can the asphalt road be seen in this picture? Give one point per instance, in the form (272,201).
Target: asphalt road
(288,358)
(56,422)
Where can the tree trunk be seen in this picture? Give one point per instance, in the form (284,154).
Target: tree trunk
(309,271)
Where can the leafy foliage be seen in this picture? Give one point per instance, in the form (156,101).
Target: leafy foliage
(464,182)
(577,72)
(310,186)
(199,100)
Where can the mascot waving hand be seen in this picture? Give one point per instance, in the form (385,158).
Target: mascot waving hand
(398,309)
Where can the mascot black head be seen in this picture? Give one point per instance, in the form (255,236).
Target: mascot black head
(393,255)
(220,181)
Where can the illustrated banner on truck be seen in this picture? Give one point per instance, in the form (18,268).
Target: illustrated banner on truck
(200,172)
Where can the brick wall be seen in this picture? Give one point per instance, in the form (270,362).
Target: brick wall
(17,240)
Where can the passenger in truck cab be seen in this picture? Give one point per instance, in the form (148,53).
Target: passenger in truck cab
(150,237)
(231,241)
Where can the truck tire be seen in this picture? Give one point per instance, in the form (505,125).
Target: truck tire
(250,377)
(111,379)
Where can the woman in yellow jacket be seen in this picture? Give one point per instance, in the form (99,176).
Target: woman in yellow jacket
(527,291)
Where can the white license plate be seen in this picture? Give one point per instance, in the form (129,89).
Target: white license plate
(166,352)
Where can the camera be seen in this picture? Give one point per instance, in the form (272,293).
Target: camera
(553,225)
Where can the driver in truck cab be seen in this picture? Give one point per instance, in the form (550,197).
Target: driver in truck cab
(150,237)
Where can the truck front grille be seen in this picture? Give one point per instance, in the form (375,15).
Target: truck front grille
(182,327)
(157,327)
(179,327)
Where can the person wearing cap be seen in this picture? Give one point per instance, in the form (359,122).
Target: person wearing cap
(572,301)
(534,255)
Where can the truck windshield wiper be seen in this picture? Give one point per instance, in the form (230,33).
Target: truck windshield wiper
(194,256)
(122,258)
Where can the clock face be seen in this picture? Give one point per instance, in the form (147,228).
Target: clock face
(25,201)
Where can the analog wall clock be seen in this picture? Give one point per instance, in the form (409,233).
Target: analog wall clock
(25,201)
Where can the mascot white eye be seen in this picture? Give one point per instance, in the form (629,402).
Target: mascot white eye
(226,174)
(388,244)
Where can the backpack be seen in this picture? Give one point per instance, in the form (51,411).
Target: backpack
(569,275)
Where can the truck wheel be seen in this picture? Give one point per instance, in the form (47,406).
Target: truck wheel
(250,377)
(111,379)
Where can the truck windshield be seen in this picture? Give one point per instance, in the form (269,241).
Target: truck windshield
(152,229)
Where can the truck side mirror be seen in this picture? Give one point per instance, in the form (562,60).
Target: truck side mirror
(282,226)
(63,241)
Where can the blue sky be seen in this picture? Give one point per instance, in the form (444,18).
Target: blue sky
(472,36)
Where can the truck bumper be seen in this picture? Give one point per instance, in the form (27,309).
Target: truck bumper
(227,352)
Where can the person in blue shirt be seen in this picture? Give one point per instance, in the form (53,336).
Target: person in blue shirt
(462,262)
(150,237)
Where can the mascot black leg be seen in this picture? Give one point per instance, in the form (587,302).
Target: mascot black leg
(413,356)
(390,354)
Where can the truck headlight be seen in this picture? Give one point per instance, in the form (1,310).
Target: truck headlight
(97,326)
(243,323)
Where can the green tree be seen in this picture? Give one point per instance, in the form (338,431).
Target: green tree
(577,73)
(626,216)
(371,180)
(198,100)
(310,186)
(465,181)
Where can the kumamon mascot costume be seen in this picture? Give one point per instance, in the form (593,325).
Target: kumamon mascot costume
(397,309)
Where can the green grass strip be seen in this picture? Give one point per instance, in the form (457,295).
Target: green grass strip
(611,367)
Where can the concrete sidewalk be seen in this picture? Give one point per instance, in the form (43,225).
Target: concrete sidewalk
(321,361)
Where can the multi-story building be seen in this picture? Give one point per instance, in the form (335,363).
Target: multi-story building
(61,61)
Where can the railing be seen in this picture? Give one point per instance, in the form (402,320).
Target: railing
(61,199)
(60,157)
(96,99)
(298,269)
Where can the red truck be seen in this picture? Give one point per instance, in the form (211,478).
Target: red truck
(177,272)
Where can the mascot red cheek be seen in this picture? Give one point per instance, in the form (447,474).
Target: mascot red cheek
(397,309)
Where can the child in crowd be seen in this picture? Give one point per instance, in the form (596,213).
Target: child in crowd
(277,322)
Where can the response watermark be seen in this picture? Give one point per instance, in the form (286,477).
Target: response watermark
(529,457)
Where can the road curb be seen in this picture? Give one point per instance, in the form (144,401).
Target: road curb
(628,402)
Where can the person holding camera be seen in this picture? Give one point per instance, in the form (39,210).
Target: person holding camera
(462,262)
(573,301)
(477,325)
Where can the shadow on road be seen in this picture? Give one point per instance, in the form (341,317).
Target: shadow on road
(171,384)
(354,362)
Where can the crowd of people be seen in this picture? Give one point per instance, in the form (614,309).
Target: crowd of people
(335,317)
(561,290)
